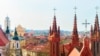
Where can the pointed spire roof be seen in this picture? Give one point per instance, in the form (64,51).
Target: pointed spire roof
(15,35)
(54,28)
(55,31)
(96,28)
(97,21)
(75,25)
(96,25)
(75,38)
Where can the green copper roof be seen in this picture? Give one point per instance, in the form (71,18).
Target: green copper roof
(7,30)
(15,35)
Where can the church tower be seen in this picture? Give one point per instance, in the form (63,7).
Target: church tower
(7,23)
(15,49)
(7,28)
(95,43)
(96,28)
(54,39)
(75,39)
(8,33)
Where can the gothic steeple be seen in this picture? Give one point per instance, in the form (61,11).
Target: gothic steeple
(54,38)
(96,28)
(96,25)
(75,39)
(54,25)
(97,22)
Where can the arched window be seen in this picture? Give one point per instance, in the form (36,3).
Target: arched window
(17,45)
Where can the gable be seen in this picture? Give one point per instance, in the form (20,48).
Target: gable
(74,52)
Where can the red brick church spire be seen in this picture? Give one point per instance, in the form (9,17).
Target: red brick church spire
(75,39)
(96,28)
(96,38)
(54,39)
(96,25)
(54,25)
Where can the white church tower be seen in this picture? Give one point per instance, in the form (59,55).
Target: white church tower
(7,23)
(7,28)
(15,49)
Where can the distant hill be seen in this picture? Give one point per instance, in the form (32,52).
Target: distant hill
(46,32)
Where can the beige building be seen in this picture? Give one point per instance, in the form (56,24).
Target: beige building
(20,30)
(15,46)
(26,52)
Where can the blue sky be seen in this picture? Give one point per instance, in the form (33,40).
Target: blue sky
(38,14)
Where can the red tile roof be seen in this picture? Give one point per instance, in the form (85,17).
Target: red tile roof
(3,38)
(37,48)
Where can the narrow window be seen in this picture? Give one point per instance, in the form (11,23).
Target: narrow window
(17,45)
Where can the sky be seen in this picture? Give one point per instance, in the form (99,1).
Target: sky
(38,14)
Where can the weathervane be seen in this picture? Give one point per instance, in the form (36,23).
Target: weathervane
(86,24)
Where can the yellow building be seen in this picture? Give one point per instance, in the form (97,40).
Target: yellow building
(20,30)
(15,46)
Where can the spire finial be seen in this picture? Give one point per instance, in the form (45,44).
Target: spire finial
(54,10)
(75,8)
(97,9)
(86,24)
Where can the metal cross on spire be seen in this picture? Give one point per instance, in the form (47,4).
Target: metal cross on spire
(86,24)
(54,10)
(97,9)
(75,8)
